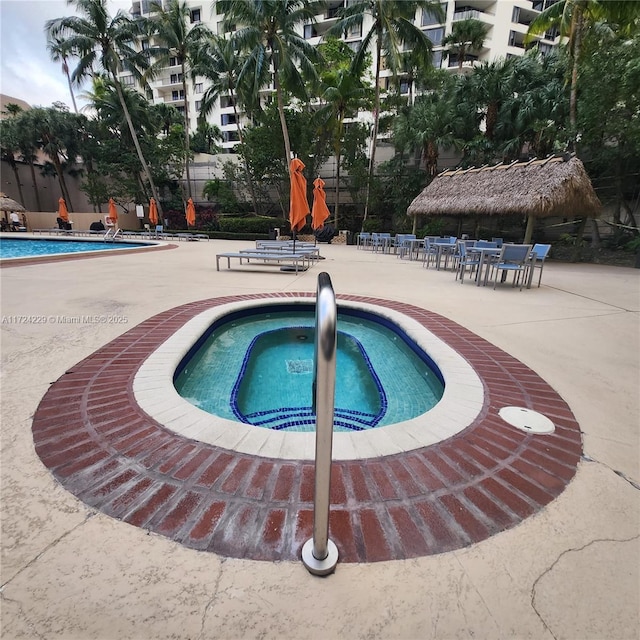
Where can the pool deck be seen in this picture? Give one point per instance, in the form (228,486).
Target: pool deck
(567,569)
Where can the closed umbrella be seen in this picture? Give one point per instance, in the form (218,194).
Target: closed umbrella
(319,211)
(191,213)
(113,213)
(298,205)
(153,211)
(62,210)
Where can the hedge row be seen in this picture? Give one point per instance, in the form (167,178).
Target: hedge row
(251,225)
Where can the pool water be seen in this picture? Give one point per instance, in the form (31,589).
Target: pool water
(258,369)
(27,248)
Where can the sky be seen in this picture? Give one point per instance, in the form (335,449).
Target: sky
(26,71)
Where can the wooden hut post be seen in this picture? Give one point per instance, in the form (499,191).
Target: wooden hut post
(529,230)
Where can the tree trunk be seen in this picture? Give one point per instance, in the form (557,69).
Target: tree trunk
(376,118)
(136,143)
(14,166)
(35,185)
(577,47)
(335,211)
(283,120)
(252,188)
(65,68)
(185,102)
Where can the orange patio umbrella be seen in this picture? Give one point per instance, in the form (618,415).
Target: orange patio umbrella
(319,211)
(153,211)
(113,213)
(191,213)
(298,205)
(62,210)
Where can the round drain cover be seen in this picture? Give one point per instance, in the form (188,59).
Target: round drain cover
(527,420)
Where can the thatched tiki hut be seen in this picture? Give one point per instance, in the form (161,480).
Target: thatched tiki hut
(556,186)
(8,205)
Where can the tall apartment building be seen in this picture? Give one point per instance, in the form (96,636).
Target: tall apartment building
(507,23)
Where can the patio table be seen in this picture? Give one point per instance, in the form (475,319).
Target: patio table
(485,254)
(446,248)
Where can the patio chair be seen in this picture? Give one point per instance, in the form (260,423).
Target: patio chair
(514,258)
(429,249)
(465,260)
(499,242)
(363,239)
(539,254)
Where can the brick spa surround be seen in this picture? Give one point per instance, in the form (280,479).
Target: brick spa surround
(102,447)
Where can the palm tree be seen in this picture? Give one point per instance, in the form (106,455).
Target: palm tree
(220,63)
(175,37)
(268,32)
(59,52)
(466,36)
(427,126)
(9,147)
(486,90)
(392,27)
(572,17)
(106,43)
(342,93)
(56,132)
(22,138)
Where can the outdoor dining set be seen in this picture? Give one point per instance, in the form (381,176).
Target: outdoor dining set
(484,260)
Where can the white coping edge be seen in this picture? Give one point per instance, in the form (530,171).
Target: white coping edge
(155,393)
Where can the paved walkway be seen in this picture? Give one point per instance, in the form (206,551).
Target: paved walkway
(567,571)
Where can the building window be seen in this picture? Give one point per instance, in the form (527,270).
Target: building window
(195,15)
(429,18)
(128,81)
(309,31)
(435,35)
(145,45)
(226,102)
(220,28)
(198,105)
(355,31)
(198,87)
(230,136)
(174,61)
(227,118)
(436,59)
(175,78)
(177,95)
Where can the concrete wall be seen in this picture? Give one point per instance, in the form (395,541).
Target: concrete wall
(48,189)
(81,220)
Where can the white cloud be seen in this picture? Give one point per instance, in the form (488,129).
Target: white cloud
(26,71)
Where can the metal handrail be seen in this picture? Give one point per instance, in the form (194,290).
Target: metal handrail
(320,554)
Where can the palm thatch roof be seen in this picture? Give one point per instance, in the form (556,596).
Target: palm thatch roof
(556,186)
(8,204)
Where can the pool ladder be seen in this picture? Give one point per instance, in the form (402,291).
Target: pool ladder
(319,553)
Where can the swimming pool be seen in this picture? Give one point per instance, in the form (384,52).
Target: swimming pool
(258,369)
(155,392)
(30,247)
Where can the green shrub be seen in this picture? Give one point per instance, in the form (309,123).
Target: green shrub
(253,224)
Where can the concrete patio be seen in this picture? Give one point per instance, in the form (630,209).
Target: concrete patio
(569,571)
